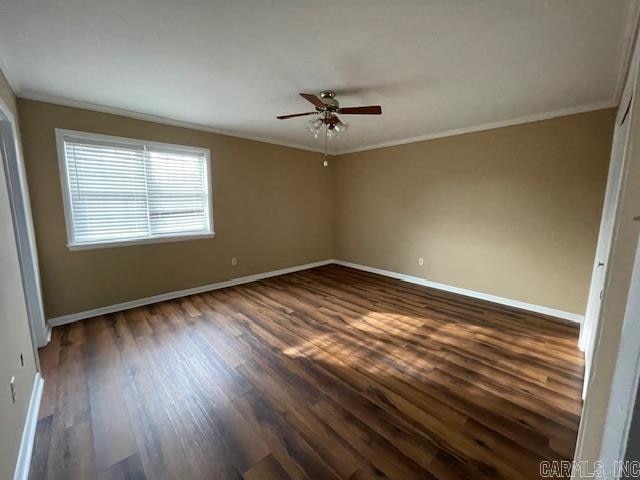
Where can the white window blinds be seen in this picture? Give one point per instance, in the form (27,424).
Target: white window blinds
(121,191)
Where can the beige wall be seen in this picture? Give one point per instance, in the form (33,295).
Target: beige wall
(512,212)
(15,337)
(272,209)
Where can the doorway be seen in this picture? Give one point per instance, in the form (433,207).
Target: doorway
(605,236)
(14,171)
(615,179)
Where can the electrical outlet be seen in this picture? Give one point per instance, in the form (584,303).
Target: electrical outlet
(234,261)
(12,386)
(421,261)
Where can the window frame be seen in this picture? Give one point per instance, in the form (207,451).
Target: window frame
(72,245)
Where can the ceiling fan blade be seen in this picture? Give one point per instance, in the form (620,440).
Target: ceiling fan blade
(313,99)
(284,117)
(368,110)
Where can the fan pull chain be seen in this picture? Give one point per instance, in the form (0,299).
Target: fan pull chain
(326,138)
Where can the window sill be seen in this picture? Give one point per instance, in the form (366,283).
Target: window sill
(139,241)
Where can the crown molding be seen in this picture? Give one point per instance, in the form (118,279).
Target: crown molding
(66,102)
(429,136)
(536,117)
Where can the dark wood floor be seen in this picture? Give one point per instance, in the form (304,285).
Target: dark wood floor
(322,374)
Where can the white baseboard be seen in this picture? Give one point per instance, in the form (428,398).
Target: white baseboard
(572,317)
(74,317)
(29,432)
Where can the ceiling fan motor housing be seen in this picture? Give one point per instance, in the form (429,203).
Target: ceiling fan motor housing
(328,98)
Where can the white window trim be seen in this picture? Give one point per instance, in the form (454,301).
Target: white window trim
(64,183)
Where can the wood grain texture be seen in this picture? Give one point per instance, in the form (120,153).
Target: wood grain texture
(321,374)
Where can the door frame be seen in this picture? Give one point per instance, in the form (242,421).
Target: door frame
(606,234)
(615,180)
(15,174)
(624,386)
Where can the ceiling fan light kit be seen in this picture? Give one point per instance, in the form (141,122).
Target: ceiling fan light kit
(327,108)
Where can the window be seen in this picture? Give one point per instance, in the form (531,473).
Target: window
(119,191)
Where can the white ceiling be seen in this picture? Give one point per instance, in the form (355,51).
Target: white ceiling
(233,65)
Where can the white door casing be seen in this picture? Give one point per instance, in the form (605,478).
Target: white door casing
(625,380)
(14,171)
(619,152)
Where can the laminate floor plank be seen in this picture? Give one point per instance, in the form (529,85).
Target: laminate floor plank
(455,345)
(328,373)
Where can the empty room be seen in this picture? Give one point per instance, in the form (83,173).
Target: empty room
(319,240)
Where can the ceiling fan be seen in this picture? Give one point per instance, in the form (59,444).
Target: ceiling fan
(329,104)
(327,108)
